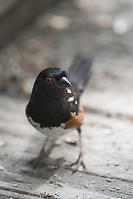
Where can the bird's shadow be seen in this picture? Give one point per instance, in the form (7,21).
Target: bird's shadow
(47,166)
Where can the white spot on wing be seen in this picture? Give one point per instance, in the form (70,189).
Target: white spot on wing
(68,90)
(76,102)
(71,99)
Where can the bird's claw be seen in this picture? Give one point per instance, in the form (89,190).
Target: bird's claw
(79,162)
(35,161)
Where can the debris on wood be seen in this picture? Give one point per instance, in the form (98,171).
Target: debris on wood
(2,143)
(108,180)
(1,168)
(47,195)
(86,186)
(15,185)
(116,164)
(57,194)
(59,184)
(71,141)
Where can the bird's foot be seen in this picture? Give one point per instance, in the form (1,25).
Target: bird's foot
(79,162)
(37,160)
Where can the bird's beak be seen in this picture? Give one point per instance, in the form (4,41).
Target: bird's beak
(64,80)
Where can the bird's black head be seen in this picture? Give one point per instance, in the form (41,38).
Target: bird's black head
(50,82)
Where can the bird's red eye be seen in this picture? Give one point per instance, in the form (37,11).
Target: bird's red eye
(48,79)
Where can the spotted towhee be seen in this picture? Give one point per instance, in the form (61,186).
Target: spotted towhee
(53,108)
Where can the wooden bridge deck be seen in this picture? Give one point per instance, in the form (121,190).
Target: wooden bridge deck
(107,138)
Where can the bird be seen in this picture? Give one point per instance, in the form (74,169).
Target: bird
(54,106)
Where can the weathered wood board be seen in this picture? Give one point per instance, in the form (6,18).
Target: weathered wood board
(107,145)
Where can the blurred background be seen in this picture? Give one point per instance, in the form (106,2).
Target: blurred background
(36,34)
(39,34)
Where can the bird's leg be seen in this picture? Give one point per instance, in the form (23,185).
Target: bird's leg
(79,161)
(42,153)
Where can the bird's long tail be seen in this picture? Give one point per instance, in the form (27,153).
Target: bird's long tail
(80,71)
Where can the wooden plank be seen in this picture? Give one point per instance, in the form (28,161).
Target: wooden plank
(11,194)
(106,145)
(80,185)
(107,139)
(99,133)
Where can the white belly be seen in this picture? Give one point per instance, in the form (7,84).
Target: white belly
(53,132)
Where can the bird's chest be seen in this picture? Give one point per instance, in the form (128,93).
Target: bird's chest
(49,114)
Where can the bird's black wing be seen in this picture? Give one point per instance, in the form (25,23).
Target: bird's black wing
(80,72)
